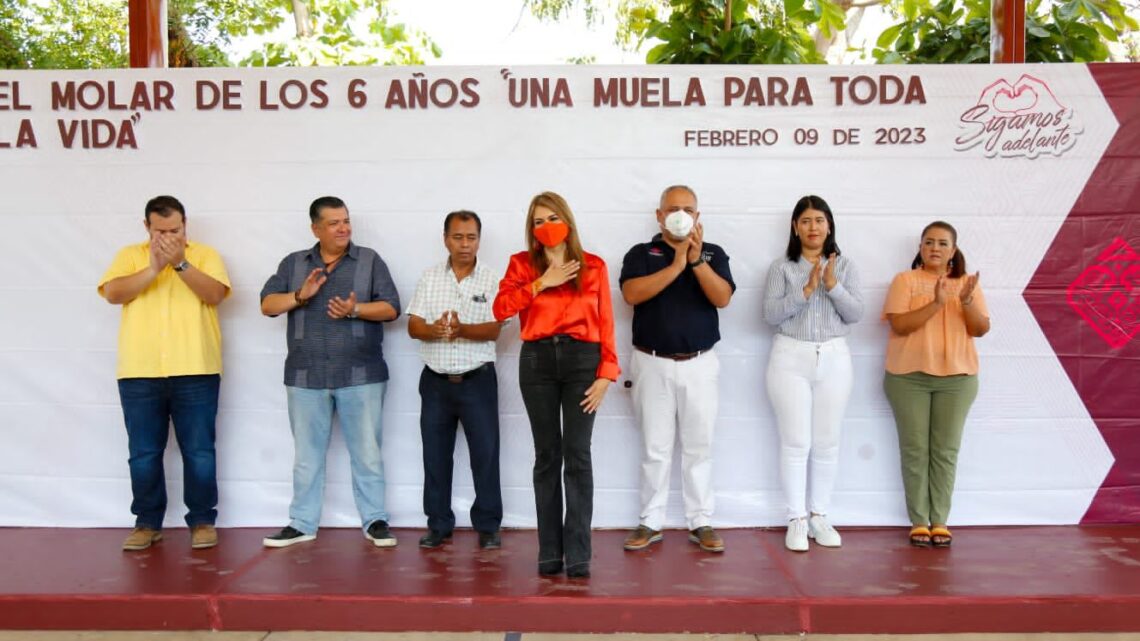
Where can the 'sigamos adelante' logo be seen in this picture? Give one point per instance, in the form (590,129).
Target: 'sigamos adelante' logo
(1020,119)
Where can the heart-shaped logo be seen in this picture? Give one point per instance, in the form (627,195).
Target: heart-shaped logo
(1020,97)
(1022,118)
(1107,294)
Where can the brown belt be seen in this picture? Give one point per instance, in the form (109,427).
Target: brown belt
(673,357)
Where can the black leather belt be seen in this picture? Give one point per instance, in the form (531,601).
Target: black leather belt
(459,378)
(673,357)
(556,339)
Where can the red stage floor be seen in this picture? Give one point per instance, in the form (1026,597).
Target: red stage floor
(1026,579)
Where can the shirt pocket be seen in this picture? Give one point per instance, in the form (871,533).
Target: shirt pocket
(477,307)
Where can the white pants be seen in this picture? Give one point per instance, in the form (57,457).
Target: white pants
(669,396)
(808,385)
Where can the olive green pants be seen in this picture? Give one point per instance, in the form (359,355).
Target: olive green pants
(930,413)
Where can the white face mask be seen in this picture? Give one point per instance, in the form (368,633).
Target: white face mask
(679,224)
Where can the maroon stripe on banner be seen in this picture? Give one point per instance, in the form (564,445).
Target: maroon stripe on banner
(1086,297)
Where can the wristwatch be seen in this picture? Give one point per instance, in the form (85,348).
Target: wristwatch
(355,313)
(181,267)
(698,262)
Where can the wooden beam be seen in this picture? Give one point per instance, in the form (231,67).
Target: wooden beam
(1007,31)
(147,32)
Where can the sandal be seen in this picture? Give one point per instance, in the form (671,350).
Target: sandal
(920,536)
(940,536)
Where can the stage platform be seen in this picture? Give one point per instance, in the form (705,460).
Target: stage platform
(1013,579)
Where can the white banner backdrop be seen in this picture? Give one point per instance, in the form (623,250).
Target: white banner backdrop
(246,174)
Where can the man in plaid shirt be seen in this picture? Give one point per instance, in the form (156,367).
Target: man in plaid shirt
(451,316)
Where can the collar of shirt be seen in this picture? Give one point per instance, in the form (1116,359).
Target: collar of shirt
(658,242)
(314,255)
(445,266)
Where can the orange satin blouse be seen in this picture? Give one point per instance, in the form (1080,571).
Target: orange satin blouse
(585,314)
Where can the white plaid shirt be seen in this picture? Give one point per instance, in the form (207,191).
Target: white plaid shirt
(471,298)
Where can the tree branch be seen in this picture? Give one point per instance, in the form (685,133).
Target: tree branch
(301,19)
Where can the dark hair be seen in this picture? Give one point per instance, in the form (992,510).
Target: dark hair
(165,206)
(957,262)
(795,248)
(462,214)
(322,203)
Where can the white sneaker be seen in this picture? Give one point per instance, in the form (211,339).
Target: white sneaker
(796,539)
(820,530)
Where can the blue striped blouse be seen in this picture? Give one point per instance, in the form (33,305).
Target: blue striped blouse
(823,316)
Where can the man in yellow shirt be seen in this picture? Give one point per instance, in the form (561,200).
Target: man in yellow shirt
(170,365)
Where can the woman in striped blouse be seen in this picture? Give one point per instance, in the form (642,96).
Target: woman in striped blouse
(812,298)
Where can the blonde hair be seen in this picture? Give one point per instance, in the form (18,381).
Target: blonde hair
(538,260)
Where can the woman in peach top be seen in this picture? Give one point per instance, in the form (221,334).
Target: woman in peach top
(935,310)
(567,362)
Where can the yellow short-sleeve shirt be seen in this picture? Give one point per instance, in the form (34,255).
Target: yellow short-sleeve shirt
(941,347)
(167,330)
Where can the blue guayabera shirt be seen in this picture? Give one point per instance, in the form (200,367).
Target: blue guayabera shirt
(330,353)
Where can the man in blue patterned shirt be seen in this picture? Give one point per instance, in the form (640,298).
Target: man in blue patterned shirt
(337,295)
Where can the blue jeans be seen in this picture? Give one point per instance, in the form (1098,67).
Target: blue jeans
(554,374)
(149,406)
(474,402)
(360,409)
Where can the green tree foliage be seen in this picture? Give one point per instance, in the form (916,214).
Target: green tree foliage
(950,31)
(716,31)
(92,34)
(11,55)
(959,31)
(341,32)
(928,31)
(63,35)
(1074,31)
(754,31)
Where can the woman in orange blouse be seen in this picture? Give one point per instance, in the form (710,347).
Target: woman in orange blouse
(935,310)
(567,362)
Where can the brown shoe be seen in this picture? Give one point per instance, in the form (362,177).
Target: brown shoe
(203,536)
(707,538)
(141,538)
(642,538)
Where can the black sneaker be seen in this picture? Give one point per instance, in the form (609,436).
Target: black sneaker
(433,539)
(490,540)
(286,537)
(380,536)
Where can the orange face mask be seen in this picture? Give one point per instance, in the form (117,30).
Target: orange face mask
(552,233)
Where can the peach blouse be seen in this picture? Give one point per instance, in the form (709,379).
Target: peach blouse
(941,347)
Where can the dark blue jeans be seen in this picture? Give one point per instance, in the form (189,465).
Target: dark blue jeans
(474,402)
(554,374)
(149,406)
